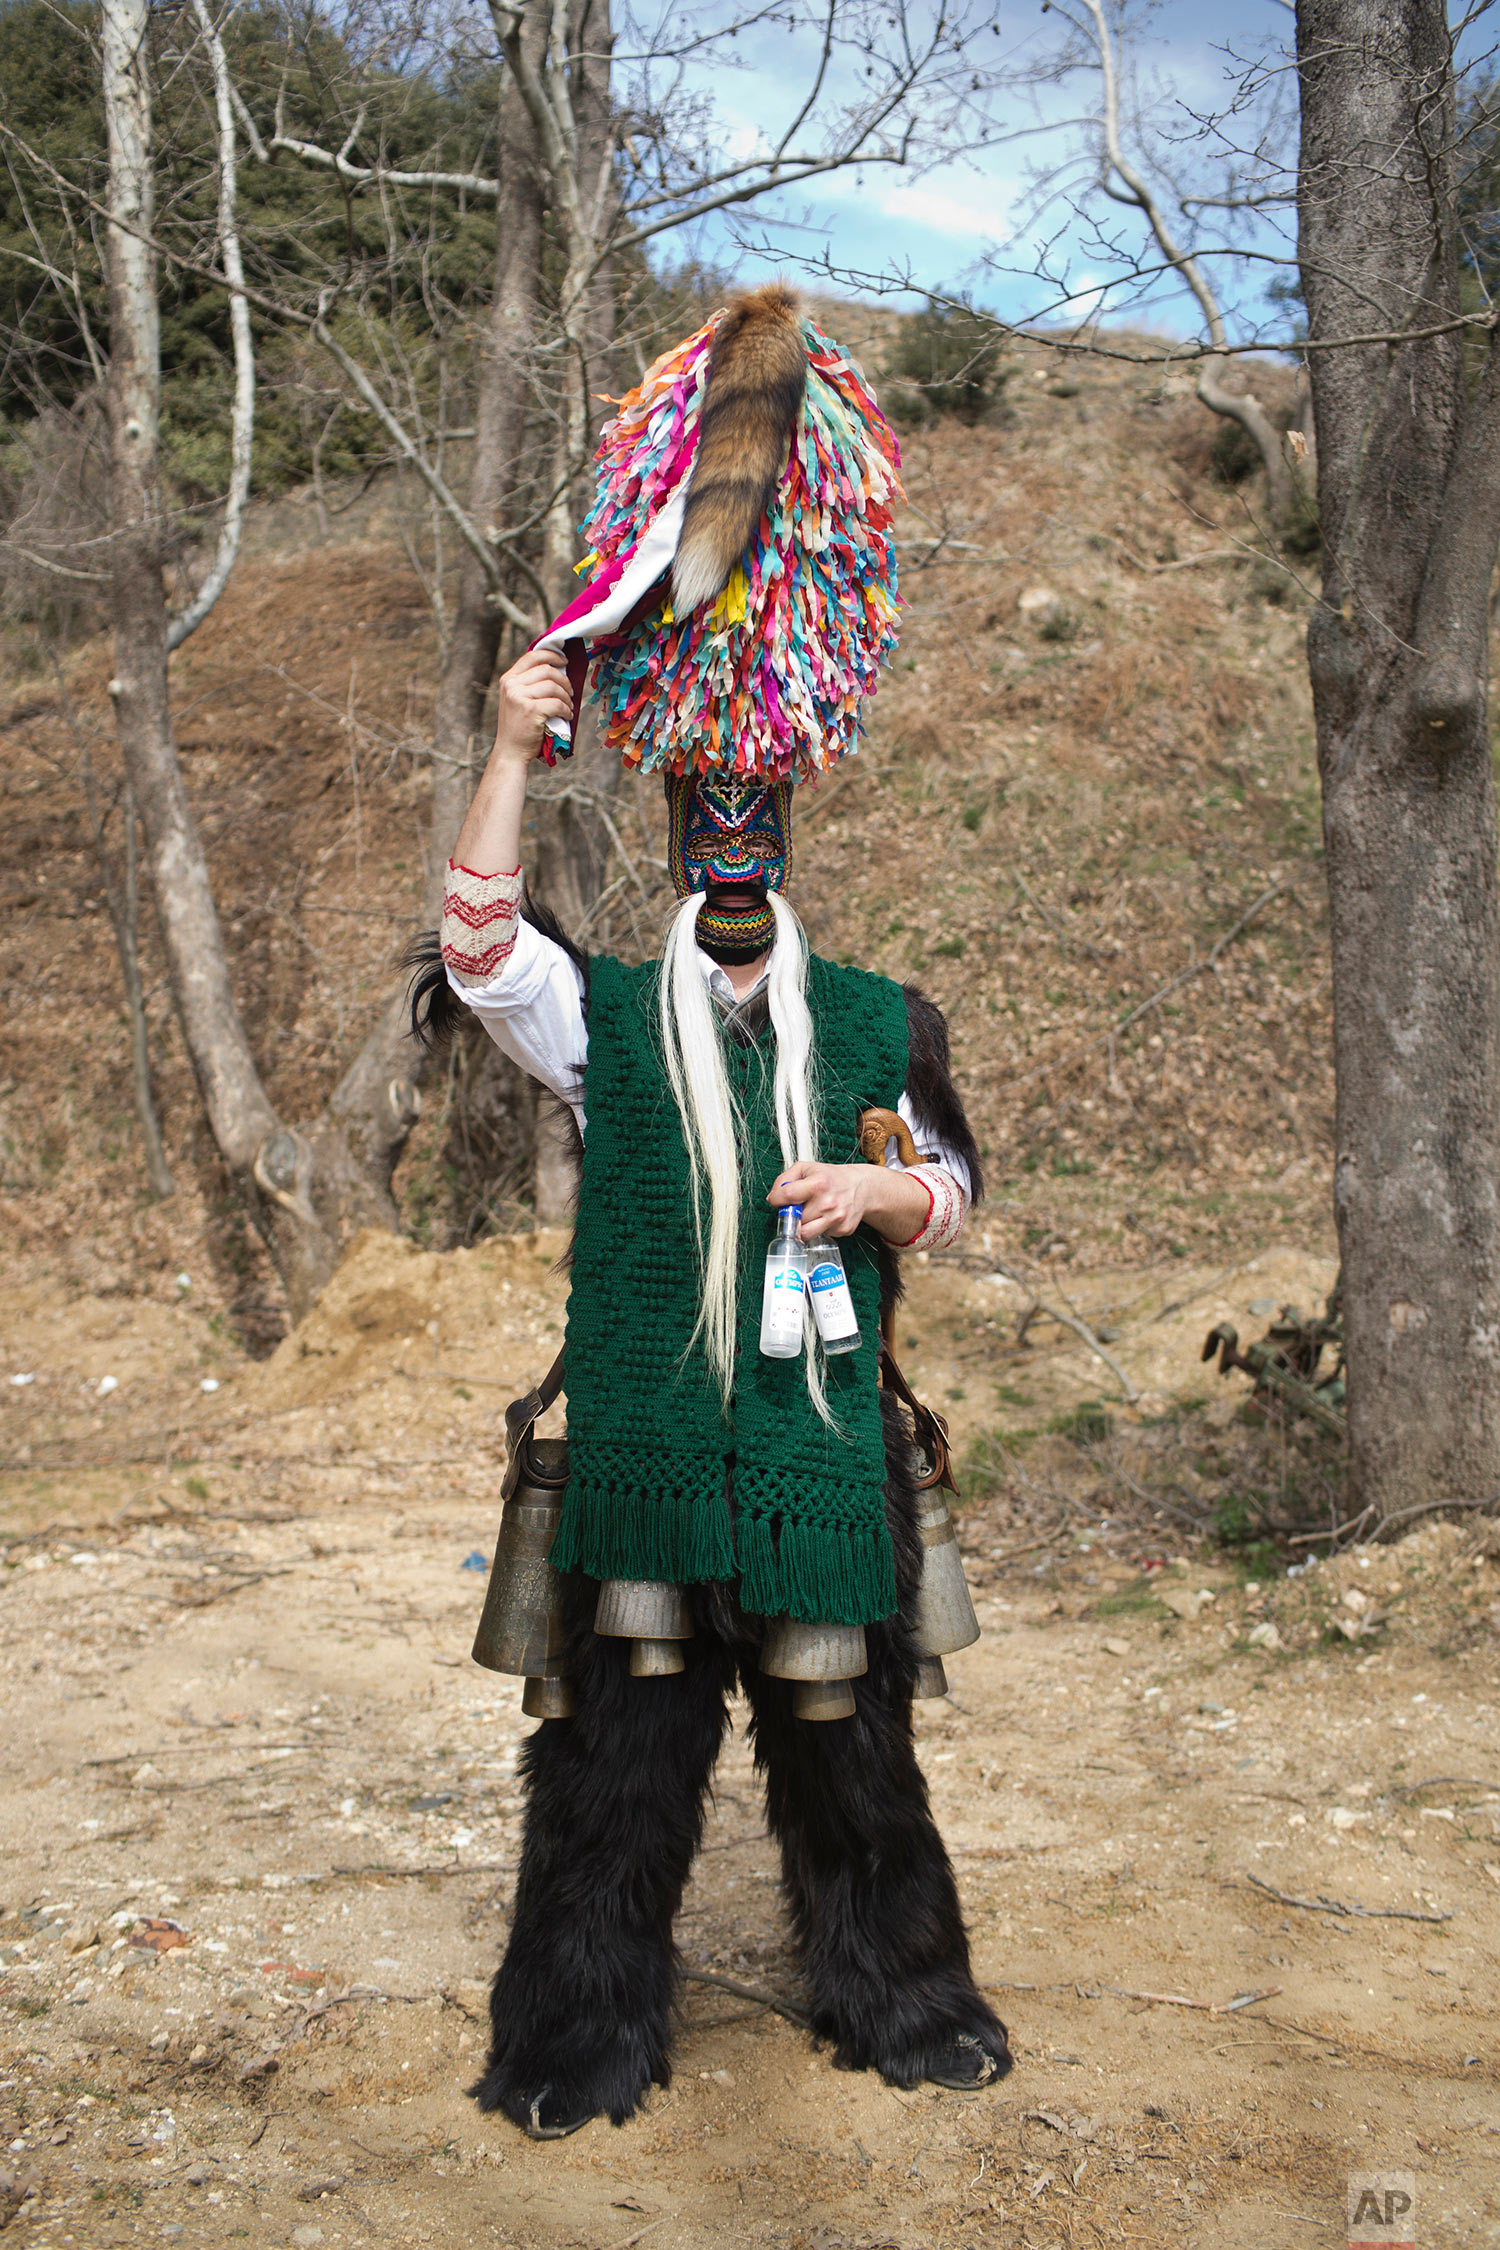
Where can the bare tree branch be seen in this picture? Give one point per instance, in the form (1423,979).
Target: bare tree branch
(242,414)
(373,175)
(1236,406)
(409,450)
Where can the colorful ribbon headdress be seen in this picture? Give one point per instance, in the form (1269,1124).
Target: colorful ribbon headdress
(742,587)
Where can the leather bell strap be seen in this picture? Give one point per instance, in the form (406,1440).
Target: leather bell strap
(931,1429)
(520,1418)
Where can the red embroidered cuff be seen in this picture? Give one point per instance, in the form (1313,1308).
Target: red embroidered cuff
(479,922)
(945,1218)
(920,1176)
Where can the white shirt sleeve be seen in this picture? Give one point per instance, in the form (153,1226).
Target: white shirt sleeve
(928,1145)
(946,1179)
(533,1010)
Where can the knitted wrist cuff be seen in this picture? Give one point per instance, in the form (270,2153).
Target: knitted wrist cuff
(944,1222)
(479,922)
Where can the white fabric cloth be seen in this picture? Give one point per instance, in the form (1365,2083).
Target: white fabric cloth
(533,1010)
(655,554)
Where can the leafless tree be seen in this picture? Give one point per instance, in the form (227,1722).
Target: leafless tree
(1409,500)
(1402,356)
(593,177)
(311,1187)
(1124,181)
(50,543)
(1148,157)
(122,897)
(242,413)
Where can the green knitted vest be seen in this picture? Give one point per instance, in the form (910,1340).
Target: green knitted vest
(665,1481)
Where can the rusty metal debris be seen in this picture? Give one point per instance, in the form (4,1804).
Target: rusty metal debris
(1287,1363)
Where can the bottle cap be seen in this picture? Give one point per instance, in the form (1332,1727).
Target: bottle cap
(789,1211)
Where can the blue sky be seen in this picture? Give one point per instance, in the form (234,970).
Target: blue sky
(943,223)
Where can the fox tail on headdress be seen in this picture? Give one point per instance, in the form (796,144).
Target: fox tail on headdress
(757,379)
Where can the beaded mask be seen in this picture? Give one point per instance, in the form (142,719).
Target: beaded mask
(730,831)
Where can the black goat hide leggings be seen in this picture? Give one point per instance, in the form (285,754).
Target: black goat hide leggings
(582,2005)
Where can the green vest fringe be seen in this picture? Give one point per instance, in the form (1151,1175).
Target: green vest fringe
(665,1482)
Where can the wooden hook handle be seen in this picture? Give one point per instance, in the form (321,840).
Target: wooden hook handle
(876,1127)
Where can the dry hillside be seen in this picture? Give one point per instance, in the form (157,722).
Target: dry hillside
(1064,807)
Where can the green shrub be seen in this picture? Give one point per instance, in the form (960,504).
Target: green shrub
(1234,455)
(945,360)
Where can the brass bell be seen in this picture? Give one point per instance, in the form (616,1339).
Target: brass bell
(821,1659)
(655,1660)
(520,1626)
(653,1615)
(931,1679)
(549,1695)
(944,1619)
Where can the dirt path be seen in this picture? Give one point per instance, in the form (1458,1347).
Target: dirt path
(237,1704)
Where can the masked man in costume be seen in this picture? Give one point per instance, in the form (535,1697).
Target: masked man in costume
(741,597)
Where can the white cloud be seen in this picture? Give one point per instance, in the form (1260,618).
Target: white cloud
(978,216)
(740,138)
(1086,297)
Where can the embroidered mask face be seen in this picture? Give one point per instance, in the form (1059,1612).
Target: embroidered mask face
(730,835)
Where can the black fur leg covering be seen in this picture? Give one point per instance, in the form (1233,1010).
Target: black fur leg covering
(582,2005)
(868,1883)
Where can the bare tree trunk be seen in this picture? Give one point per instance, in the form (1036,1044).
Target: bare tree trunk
(123,901)
(568,102)
(377,1101)
(565,88)
(573,841)
(500,408)
(240,1114)
(307,1193)
(1409,503)
(1241,407)
(127,928)
(592,41)
(1125,183)
(242,417)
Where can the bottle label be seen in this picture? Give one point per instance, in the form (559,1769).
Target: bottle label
(781,1316)
(832,1304)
